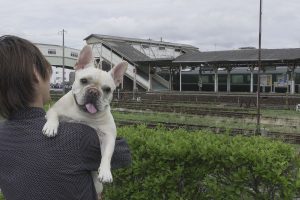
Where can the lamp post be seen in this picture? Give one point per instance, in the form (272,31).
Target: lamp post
(258,72)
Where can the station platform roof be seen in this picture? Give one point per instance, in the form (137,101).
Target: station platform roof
(137,40)
(123,47)
(275,56)
(126,50)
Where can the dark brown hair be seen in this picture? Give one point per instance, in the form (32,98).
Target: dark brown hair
(18,58)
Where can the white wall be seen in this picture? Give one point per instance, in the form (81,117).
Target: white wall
(57,75)
(45,47)
(56,59)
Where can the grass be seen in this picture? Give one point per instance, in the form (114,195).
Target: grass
(1,196)
(289,114)
(276,113)
(213,121)
(48,105)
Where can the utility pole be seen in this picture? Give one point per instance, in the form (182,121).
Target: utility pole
(258,72)
(63,57)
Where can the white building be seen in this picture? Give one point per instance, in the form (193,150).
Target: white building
(57,75)
(54,54)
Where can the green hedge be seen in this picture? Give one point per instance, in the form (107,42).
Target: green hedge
(201,165)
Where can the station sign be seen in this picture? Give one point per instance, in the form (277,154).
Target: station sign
(283,81)
(265,80)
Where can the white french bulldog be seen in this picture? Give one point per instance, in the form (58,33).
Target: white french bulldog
(89,102)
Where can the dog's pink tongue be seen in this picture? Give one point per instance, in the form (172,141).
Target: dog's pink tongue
(91,108)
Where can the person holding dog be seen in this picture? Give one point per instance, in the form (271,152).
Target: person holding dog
(33,166)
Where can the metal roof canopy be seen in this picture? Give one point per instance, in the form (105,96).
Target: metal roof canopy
(242,57)
(122,47)
(127,51)
(157,62)
(136,40)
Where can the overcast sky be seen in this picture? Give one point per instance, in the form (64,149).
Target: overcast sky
(207,24)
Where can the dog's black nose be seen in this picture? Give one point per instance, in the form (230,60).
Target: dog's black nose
(93,92)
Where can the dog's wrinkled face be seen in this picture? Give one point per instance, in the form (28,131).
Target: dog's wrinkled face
(93,88)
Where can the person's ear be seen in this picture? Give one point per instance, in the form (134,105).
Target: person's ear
(36,76)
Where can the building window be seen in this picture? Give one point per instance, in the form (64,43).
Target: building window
(145,46)
(51,51)
(177,50)
(237,79)
(205,78)
(74,54)
(161,48)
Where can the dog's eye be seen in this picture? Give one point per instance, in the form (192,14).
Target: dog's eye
(106,89)
(83,80)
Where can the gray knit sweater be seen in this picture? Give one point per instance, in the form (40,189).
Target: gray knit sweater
(34,167)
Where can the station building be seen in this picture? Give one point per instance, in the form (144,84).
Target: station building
(145,57)
(165,66)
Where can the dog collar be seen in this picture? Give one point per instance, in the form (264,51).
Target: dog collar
(75,100)
(81,106)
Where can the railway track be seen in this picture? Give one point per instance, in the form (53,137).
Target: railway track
(206,106)
(268,100)
(204,110)
(186,109)
(289,138)
(277,100)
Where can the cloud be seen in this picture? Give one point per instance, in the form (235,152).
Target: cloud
(209,25)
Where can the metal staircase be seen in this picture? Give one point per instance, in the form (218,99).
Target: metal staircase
(102,52)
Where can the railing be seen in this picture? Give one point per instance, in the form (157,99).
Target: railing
(107,54)
(115,59)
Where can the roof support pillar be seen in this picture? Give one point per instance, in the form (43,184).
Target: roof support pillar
(251,78)
(200,78)
(96,47)
(134,79)
(216,79)
(122,84)
(170,79)
(228,78)
(292,69)
(111,57)
(150,79)
(100,62)
(180,79)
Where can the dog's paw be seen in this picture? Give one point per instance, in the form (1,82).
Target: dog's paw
(50,129)
(105,176)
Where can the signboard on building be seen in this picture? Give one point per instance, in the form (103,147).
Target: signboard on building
(265,80)
(282,80)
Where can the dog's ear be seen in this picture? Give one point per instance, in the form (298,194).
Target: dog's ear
(118,71)
(85,57)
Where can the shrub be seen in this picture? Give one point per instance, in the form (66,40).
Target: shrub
(200,165)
